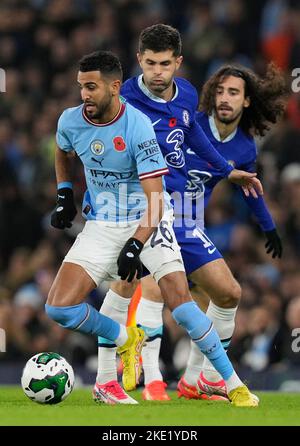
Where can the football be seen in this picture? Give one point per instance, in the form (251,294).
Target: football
(47,378)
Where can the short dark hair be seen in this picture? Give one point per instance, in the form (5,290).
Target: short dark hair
(267,96)
(105,61)
(160,37)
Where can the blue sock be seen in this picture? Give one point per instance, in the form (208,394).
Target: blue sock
(104,342)
(84,318)
(226,343)
(152,333)
(201,330)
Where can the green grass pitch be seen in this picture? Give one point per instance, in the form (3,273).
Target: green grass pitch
(79,409)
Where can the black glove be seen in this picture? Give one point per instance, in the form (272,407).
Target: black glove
(129,260)
(273,244)
(65,210)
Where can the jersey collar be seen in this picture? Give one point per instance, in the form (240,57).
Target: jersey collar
(215,131)
(152,96)
(118,116)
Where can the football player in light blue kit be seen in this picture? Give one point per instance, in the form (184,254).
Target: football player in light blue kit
(172,113)
(124,204)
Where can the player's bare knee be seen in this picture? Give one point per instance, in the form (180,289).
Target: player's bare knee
(200,297)
(52,296)
(230,298)
(55,299)
(58,298)
(174,289)
(235,294)
(151,290)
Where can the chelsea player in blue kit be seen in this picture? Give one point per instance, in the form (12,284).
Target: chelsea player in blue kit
(129,221)
(236,105)
(173,117)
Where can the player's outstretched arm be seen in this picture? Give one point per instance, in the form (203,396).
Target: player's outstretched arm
(248,182)
(129,264)
(65,210)
(197,140)
(200,144)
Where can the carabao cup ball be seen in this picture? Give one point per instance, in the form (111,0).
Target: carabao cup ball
(47,378)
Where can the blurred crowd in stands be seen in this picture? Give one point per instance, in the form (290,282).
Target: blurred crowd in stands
(41,43)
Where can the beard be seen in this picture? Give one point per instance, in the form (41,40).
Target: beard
(160,87)
(228,119)
(99,109)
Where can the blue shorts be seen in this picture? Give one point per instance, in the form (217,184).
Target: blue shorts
(196,248)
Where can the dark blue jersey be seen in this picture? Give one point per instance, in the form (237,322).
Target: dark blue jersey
(240,151)
(175,127)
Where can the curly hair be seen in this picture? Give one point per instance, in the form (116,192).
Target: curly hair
(267,96)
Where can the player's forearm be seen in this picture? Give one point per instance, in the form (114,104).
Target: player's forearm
(261,212)
(150,220)
(200,144)
(63,166)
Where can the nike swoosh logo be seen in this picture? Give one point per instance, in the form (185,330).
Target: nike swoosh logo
(210,251)
(190,152)
(156,122)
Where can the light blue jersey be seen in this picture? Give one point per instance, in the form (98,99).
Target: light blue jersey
(116,157)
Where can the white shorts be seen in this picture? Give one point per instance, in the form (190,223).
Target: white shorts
(97,247)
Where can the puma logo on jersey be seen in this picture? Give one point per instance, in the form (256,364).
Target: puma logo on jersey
(98,161)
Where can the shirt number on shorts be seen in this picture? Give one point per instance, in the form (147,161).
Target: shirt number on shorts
(207,243)
(163,231)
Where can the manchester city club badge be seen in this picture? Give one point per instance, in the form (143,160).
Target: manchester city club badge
(97,147)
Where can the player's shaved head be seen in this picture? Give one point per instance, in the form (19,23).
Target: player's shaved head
(160,37)
(104,61)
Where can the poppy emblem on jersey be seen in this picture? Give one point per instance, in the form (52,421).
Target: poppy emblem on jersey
(186,117)
(172,122)
(97,147)
(119,144)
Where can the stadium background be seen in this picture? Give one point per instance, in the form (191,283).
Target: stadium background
(40,44)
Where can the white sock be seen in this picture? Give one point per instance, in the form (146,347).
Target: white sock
(116,307)
(194,365)
(149,316)
(223,320)
(233,382)
(122,338)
